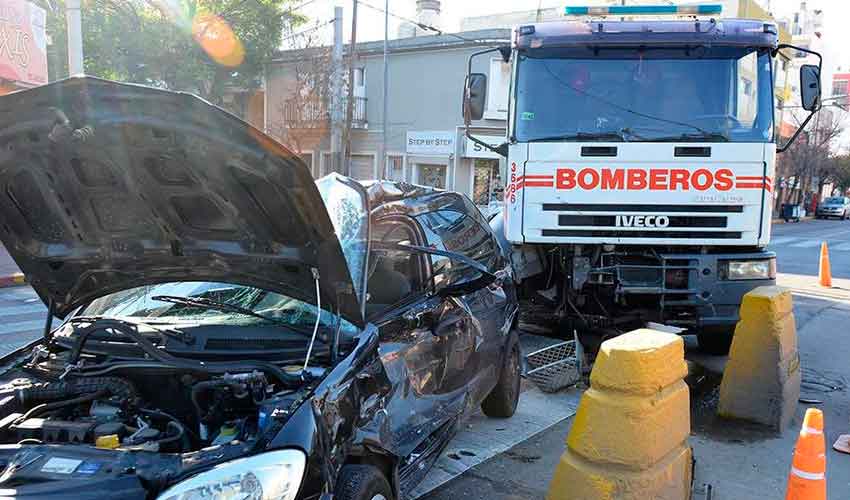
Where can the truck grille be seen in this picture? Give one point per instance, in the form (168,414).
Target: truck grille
(610,221)
(613,233)
(577,223)
(599,207)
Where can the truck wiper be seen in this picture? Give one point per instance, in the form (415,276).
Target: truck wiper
(214,305)
(692,137)
(585,136)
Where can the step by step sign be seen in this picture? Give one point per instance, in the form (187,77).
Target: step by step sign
(23,42)
(431,143)
(475,150)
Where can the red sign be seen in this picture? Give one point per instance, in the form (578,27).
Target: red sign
(23,42)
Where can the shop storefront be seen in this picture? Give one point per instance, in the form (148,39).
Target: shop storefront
(23,58)
(486,187)
(430,153)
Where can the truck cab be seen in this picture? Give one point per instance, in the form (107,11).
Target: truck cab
(641,158)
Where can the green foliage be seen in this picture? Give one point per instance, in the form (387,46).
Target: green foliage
(156,42)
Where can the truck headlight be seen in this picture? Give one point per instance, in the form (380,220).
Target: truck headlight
(761,269)
(275,475)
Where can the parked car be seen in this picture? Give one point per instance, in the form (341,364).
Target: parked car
(835,206)
(234,329)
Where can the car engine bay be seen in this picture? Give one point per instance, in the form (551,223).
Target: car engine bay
(87,386)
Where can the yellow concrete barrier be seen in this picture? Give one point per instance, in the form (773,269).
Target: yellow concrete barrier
(629,437)
(761,381)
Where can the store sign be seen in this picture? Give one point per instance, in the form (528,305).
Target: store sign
(435,143)
(23,42)
(475,150)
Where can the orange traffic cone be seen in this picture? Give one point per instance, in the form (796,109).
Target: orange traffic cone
(824,272)
(807,480)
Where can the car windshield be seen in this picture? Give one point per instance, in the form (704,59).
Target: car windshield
(346,205)
(833,201)
(213,303)
(630,95)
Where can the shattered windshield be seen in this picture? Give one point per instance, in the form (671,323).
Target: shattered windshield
(146,303)
(346,206)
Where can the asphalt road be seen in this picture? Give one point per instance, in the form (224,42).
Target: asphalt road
(797,246)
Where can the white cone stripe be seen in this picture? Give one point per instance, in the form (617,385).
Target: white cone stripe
(812,476)
(811,430)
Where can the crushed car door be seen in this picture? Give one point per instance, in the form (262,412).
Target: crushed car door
(481,328)
(416,339)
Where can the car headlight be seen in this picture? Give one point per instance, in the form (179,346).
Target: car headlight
(761,269)
(275,475)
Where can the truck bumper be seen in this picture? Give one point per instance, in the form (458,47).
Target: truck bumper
(717,301)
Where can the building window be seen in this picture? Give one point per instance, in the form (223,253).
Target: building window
(839,87)
(486,185)
(395,168)
(432,175)
(498,90)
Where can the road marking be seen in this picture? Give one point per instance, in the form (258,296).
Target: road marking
(27,309)
(783,239)
(21,326)
(806,244)
(484,438)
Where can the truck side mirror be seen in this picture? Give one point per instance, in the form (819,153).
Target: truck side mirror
(810,86)
(474,96)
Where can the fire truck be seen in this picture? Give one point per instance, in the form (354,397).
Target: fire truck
(641,154)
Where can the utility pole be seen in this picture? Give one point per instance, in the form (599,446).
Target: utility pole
(349,111)
(337,116)
(75,37)
(384,168)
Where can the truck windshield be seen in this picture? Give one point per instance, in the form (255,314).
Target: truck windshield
(644,96)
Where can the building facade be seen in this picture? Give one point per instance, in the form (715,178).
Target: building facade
(425,133)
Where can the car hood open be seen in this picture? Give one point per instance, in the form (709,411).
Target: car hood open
(109,186)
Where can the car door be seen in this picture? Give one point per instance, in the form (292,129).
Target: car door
(420,334)
(480,331)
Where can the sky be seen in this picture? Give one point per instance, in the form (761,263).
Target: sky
(370,25)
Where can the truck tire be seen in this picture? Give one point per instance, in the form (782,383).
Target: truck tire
(503,399)
(716,340)
(362,482)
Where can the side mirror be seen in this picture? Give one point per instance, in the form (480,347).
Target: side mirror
(466,286)
(474,96)
(810,87)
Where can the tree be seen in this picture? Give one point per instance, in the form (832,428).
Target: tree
(303,109)
(200,46)
(811,157)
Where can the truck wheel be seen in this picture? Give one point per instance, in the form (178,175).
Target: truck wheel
(362,482)
(716,340)
(502,400)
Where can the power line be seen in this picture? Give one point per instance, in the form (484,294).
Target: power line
(423,26)
(301,5)
(308,30)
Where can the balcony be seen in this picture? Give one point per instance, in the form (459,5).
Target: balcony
(315,113)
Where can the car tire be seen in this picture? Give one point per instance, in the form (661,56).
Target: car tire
(716,341)
(503,399)
(362,482)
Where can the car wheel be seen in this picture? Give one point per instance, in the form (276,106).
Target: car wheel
(716,340)
(362,482)
(503,399)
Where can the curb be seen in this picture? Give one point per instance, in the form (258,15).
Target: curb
(11,280)
(782,221)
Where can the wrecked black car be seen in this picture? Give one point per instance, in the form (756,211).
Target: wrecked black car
(233,329)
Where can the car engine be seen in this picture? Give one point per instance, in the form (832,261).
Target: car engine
(149,409)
